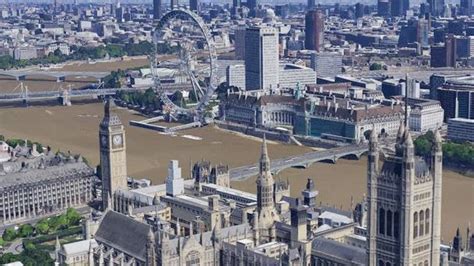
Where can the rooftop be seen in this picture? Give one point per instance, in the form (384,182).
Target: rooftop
(47,174)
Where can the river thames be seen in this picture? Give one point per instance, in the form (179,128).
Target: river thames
(75,129)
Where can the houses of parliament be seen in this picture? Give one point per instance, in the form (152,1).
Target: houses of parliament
(202,220)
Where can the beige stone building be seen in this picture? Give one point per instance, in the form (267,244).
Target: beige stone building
(404,204)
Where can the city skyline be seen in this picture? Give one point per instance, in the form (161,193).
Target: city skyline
(183,133)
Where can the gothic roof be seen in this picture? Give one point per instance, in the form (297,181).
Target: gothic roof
(393,166)
(123,233)
(238,230)
(355,255)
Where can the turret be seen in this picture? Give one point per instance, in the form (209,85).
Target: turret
(373,162)
(150,249)
(408,150)
(255,227)
(437,174)
(91,254)
(57,248)
(156,200)
(310,194)
(264,159)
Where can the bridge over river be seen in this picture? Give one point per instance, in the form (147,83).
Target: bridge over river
(301,161)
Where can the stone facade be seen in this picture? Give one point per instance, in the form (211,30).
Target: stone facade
(112,156)
(42,185)
(404,203)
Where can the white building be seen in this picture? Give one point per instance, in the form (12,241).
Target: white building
(174,181)
(235,75)
(425,115)
(261,58)
(290,75)
(76,253)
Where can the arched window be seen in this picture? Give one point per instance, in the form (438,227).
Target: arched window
(381,221)
(426,263)
(422,223)
(427,221)
(381,263)
(193,259)
(388,264)
(389,223)
(396,224)
(415,225)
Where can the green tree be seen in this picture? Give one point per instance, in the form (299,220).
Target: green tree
(25,230)
(42,227)
(58,222)
(9,234)
(73,217)
(375,66)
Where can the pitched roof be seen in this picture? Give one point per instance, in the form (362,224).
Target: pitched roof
(355,255)
(123,233)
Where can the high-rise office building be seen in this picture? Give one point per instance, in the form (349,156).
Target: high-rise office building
(436,7)
(174,4)
(261,58)
(157,9)
(451,55)
(404,203)
(252,6)
(466,7)
(311,4)
(359,10)
(236,5)
(314,30)
(119,13)
(239,43)
(384,8)
(194,5)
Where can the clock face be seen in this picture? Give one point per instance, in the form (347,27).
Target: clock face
(117,140)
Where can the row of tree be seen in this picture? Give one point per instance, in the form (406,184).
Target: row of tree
(30,256)
(81,53)
(43,227)
(454,154)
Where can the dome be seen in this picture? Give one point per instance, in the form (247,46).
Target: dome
(269,16)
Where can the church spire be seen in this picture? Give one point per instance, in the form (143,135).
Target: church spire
(264,159)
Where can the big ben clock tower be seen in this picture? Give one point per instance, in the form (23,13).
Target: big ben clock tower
(113,163)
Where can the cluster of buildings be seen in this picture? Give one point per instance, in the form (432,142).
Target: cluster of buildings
(203,221)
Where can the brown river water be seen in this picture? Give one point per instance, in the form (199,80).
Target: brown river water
(75,128)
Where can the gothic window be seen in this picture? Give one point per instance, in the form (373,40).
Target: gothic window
(422,223)
(389,223)
(192,259)
(415,225)
(381,263)
(427,221)
(388,264)
(381,221)
(396,225)
(426,263)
